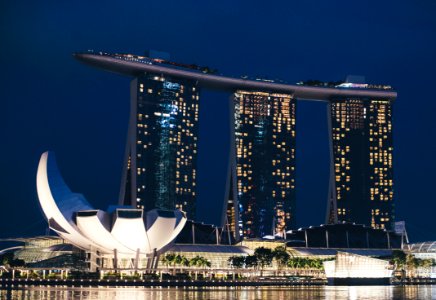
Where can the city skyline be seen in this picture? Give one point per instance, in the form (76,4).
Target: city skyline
(58,105)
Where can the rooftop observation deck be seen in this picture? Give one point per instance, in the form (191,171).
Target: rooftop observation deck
(133,65)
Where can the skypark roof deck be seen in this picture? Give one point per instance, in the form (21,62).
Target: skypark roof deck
(132,65)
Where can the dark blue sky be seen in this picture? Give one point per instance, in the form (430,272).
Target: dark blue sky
(50,101)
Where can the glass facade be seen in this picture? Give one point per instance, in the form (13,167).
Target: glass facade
(361,188)
(217,255)
(162,146)
(264,135)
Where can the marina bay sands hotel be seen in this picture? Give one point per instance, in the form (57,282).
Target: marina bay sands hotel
(161,152)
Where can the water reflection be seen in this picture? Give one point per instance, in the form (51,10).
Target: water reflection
(304,293)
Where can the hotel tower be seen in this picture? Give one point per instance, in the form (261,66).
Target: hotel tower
(161,153)
(264,159)
(361,181)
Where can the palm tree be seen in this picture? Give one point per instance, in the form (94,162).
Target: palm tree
(314,265)
(291,263)
(173,260)
(299,263)
(203,262)
(425,264)
(193,261)
(318,264)
(184,261)
(199,261)
(168,259)
(411,264)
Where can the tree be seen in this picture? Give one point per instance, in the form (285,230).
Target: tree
(173,259)
(281,256)
(184,261)
(291,263)
(317,264)
(298,263)
(193,261)
(178,259)
(398,258)
(199,261)
(168,259)
(7,260)
(207,263)
(411,263)
(203,262)
(264,257)
(251,261)
(237,261)
(426,263)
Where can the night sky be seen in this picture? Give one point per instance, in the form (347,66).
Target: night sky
(51,101)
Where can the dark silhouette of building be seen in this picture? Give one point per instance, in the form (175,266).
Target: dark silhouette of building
(200,233)
(343,236)
(264,162)
(161,153)
(361,181)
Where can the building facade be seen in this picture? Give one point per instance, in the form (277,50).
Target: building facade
(264,162)
(161,153)
(361,181)
(163,132)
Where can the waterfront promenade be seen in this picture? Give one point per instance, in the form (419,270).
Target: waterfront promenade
(11,283)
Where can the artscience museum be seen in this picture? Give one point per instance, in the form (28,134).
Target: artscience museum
(120,237)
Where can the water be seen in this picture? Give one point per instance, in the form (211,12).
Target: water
(303,293)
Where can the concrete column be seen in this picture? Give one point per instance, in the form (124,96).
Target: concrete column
(115,260)
(137,260)
(193,233)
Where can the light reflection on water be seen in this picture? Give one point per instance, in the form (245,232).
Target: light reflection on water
(282,293)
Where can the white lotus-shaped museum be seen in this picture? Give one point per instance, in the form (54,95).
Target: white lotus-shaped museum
(122,230)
